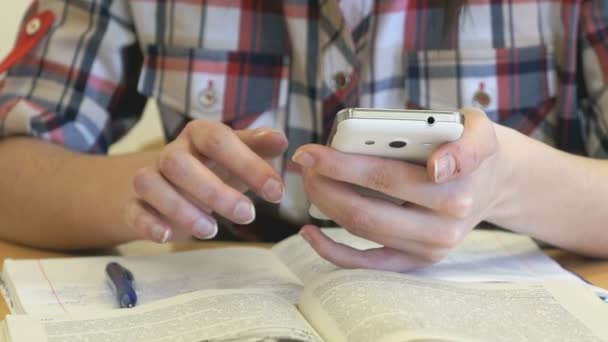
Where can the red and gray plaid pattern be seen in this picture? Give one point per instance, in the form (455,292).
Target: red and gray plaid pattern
(539,66)
(233,86)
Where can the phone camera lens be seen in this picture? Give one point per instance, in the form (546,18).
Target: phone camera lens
(397,144)
(369,142)
(430,120)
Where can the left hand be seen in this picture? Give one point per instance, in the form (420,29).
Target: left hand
(460,187)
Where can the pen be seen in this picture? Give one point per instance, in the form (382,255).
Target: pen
(121,281)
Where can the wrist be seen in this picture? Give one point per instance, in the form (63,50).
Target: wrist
(506,164)
(525,166)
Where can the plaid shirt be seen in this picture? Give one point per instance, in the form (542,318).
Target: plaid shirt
(83,69)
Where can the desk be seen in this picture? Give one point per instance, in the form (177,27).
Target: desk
(593,270)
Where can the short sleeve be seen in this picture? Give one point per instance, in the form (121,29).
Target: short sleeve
(71,78)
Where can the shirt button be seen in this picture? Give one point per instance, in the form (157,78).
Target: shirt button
(481,98)
(340,80)
(33,26)
(208,96)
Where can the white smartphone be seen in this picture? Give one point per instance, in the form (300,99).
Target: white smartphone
(409,135)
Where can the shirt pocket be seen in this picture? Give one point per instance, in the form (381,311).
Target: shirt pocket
(235,87)
(515,86)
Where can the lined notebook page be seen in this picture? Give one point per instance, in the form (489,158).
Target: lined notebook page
(80,284)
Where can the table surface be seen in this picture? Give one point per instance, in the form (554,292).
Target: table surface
(595,271)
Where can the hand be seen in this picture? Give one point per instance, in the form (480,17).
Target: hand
(459,188)
(205,171)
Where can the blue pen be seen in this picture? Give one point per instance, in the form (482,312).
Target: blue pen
(121,280)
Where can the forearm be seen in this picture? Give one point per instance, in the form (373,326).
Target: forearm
(554,196)
(54,198)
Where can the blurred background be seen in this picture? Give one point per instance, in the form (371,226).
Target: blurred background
(147,132)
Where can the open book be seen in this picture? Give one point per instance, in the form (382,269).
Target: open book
(248,294)
(353,305)
(73,285)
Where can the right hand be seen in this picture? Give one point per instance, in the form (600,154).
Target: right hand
(205,170)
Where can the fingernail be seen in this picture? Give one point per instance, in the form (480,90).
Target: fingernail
(160,233)
(305,236)
(304,159)
(244,212)
(273,190)
(445,167)
(204,228)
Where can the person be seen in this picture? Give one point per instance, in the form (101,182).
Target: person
(247,92)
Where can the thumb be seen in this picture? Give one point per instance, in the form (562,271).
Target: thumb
(462,157)
(265,141)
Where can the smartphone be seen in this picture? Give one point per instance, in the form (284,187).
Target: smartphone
(409,135)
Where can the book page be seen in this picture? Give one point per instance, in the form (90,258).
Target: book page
(303,261)
(77,284)
(228,315)
(361,305)
(483,256)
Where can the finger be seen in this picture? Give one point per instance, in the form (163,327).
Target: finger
(266,142)
(147,221)
(226,176)
(421,252)
(191,177)
(358,221)
(462,157)
(219,143)
(344,256)
(398,179)
(156,192)
(379,220)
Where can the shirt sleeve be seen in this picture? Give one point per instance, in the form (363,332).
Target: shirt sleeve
(594,64)
(76,84)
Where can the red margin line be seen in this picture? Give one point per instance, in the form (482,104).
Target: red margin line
(51,285)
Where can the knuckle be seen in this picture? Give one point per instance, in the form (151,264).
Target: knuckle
(459,205)
(216,137)
(171,163)
(190,127)
(143,181)
(194,126)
